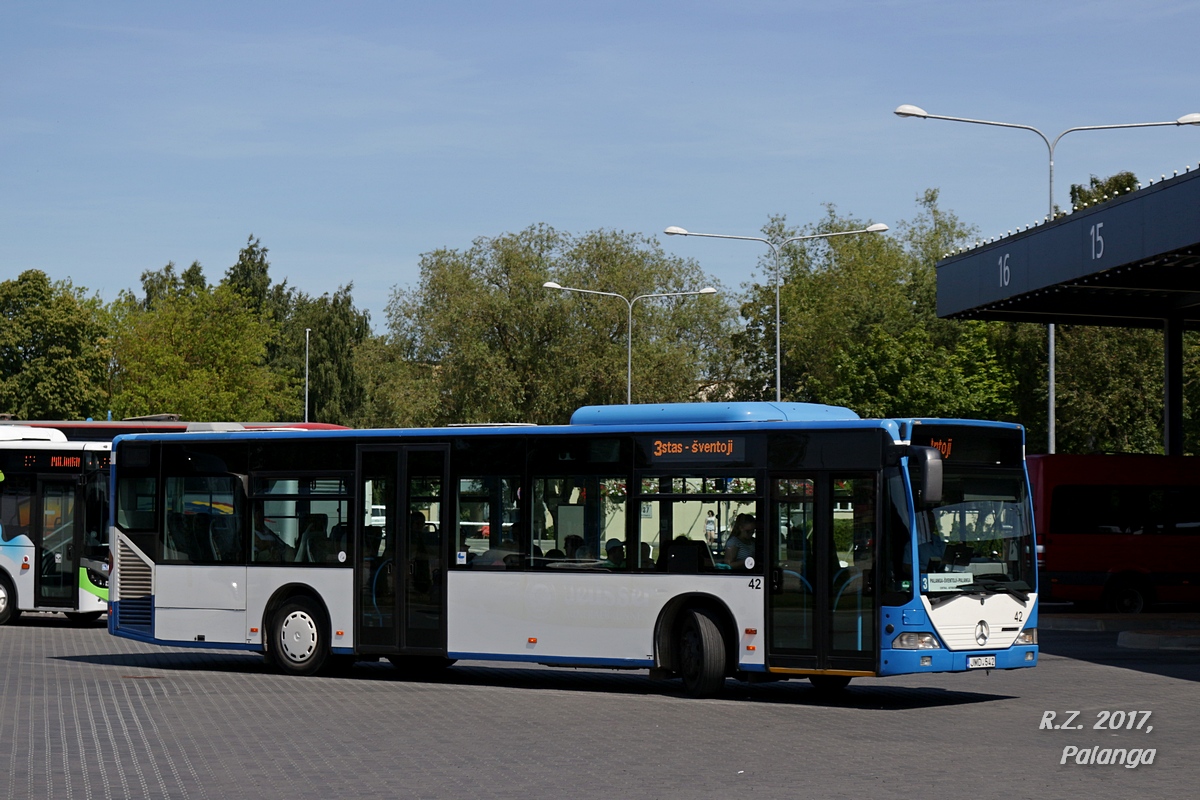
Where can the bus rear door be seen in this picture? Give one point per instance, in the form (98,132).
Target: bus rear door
(400,530)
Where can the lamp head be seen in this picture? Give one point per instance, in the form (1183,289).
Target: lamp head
(550,285)
(907,110)
(878,227)
(708,290)
(1188,119)
(675,230)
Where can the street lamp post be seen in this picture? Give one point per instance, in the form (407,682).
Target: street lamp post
(674,230)
(306,332)
(629,324)
(917,112)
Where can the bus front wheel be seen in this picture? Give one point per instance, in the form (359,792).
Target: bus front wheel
(299,637)
(8,601)
(701,654)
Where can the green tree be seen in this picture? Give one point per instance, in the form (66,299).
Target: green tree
(1109,390)
(166,283)
(487,342)
(859,323)
(54,349)
(250,275)
(198,352)
(1100,190)
(336,328)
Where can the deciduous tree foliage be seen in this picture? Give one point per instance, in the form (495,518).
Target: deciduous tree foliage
(53,349)
(197,351)
(859,326)
(336,329)
(484,341)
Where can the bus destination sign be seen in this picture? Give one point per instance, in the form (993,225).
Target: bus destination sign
(698,448)
(73,461)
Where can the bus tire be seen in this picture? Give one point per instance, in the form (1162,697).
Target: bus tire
(829,683)
(83,617)
(1126,595)
(299,637)
(701,654)
(8,601)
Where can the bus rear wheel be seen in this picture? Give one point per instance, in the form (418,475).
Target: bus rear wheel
(701,654)
(299,637)
(8,601)
(1126,596)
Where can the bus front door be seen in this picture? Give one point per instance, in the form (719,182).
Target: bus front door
(57,550)
(400,571)
(821,605)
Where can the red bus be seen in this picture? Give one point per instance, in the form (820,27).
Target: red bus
(101,430)
(1119,530)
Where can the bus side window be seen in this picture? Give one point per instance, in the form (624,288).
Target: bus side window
(489,530)
(583,517)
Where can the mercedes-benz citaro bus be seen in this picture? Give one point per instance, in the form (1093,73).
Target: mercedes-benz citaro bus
(846,547)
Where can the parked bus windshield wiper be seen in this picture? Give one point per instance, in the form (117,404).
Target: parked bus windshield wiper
(986,584)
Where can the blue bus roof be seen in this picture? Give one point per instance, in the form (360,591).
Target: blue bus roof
(708,413)
(633,418)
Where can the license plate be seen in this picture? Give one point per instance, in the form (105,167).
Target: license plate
(981,662)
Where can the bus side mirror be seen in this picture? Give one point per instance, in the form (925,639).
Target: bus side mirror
(925,464)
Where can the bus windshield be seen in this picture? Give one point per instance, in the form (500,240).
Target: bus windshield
(978,539)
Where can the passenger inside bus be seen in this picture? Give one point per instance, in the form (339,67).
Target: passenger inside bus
(614,552)
(740,545)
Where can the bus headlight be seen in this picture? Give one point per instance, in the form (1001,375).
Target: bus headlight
(915,641)
(98,579)
(1027,636)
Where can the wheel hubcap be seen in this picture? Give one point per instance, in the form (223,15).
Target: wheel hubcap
(298,637)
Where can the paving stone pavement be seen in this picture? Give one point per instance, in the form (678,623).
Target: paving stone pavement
(87,715)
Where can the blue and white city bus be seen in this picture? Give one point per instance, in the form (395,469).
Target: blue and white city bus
(845,547)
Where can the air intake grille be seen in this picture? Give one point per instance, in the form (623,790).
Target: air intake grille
(135,590)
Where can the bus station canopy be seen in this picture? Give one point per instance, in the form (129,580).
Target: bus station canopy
(1133,261)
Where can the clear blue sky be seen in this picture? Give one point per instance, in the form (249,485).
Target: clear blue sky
(351,137)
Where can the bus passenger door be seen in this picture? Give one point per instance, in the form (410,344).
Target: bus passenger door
(423,498)
(400,570)
(57,549)
(822,604)
(792,574)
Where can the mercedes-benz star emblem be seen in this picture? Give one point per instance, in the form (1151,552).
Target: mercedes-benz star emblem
(981,633)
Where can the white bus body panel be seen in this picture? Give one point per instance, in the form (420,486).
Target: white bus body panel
(334,586)
(579,616)
(12,555)
(222,604)
(194,603)
(957,620)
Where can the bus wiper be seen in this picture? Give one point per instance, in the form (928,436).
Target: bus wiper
(987,585)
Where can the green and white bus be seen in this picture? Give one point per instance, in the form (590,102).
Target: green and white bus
(53,524)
